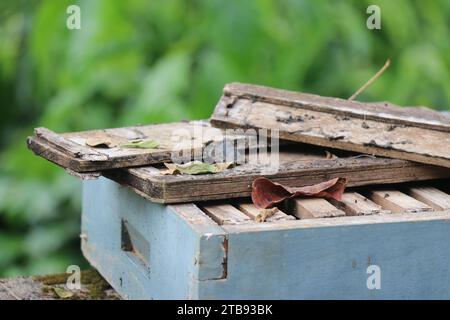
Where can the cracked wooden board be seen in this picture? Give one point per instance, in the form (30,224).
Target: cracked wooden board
(70,151)
(416,134)
(299,165)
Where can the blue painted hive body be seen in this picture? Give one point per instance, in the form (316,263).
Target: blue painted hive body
(152,251)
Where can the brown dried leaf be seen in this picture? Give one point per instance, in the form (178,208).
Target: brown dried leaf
(266,193)
(102,141)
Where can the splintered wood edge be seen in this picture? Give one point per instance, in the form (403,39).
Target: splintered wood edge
(46,151)
(77,166)
(431,196)
(49,152)
(372,149)
(67,146)
(333,105)
(84,176)
(159,190)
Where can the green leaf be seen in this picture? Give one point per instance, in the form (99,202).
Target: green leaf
(63,293)
(196,167)
(141,144)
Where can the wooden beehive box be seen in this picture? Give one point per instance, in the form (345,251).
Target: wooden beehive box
(313,250)
(378,243)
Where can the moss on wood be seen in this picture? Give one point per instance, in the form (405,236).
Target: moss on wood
(93,285)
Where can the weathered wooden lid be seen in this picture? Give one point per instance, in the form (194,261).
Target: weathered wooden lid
(88,152)
(411,133)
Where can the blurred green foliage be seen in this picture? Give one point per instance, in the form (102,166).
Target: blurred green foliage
(141,61)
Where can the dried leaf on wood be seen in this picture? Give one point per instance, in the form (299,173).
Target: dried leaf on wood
(63,293)
(265,213)
(141,144)
(196,167)
(102,141)
(266,194)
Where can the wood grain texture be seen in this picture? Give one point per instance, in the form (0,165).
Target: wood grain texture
(186,139)
(433,197)
(355,204)
(226,214)
(314,208)
(398,202)
(387,112)
(415,134)
(236,182)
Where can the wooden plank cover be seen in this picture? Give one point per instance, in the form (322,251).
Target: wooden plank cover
(299,165)
(398,202)
(416,134)
(70,151)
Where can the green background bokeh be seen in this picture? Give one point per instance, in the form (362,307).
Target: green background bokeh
(141,61)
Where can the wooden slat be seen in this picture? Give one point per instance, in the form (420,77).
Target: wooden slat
(312,208)
(73,149)
(355,204)
(250,210)
(383,111)
(398,202)
(70,151)
(236,182)
(299,165)
(226,214)
(433,197)
(414,134)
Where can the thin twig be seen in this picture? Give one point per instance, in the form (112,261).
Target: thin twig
(371,80)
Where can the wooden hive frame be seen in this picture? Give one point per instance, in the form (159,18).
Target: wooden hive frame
(387,201)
